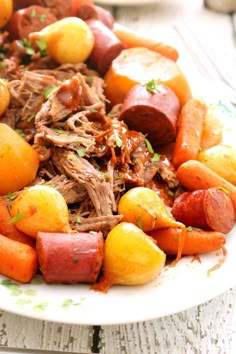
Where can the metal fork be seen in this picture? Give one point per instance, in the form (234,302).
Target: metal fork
(207,68)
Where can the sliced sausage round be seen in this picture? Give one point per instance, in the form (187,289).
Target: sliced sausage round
(60,8)
(208,209)
(70,258)
(87,10)
(106,46)
(31,19)
(154,114)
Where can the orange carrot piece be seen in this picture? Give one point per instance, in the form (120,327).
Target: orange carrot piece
(9,230)
(130,39)
(194,175)
(190,125)
(196,241)
(18,261)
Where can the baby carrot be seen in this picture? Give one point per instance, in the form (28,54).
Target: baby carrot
(196,241)
(189,132)
(194,175)
(18,261)
(8,229)
(131,39)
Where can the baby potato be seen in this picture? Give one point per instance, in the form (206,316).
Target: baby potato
(19,162)
(130,256)
(221,159)
(69,40)
(4,96)
(144,208)
(40,208)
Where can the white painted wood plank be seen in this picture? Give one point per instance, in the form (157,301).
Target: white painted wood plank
(21,332)
(209,328)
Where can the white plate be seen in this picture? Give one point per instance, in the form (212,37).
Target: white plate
(126,2)
(176,289)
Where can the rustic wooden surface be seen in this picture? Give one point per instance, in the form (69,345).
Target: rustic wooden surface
(210,327)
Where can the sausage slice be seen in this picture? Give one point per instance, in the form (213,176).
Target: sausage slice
(208,209)
(154,114)
(70,258)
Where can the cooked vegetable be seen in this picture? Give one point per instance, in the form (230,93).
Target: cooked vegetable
(212,131)
(222,160)
(8,229)
(70,258)
(130,257)
(208,209)
(131,40)
(4,96)
(6,12)
(17,260)
(67,41)
(194,175)
(19,162)
(196,241)
(141,65)
(40,208)
(189,132)
(144,208)
(153,111)
(106,46)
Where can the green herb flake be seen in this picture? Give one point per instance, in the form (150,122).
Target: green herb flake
(60,131)
(89,79)
(149,146)
(139,222)
(20,132)
(78,219)
(189,228)
(136,161)
(81,152)
(156,157)
(224,190)
(16,218)
(118,141)
(29,51)
(170,193)
(42,17)
(31,117)
(33,13)
(93,110)
(47,92)
(11,196)
(151,86)
(41,43)
(1,64)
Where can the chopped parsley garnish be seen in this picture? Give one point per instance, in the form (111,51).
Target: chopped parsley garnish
(33,13)
(42,17)
(11,196)
(139,222)
(42,45)
(156,157)
(151,86)
(93,110)
(28,46)
(171,193)
(89,79)
(118,141)
(31,117)
(149,146)
(60,131)
(78,219)
(47,92)
(81,152)
(20,132)
(16,218)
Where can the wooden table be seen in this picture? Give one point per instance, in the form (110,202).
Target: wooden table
(208,328)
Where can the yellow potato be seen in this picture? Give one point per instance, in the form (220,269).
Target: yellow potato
(40,208)
(221,159)
(130,256)
(6,12)
(4,96)
(144,208)
(69,40)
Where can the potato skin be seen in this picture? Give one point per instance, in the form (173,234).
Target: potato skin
(41,208)
(130,256)
(19,162)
